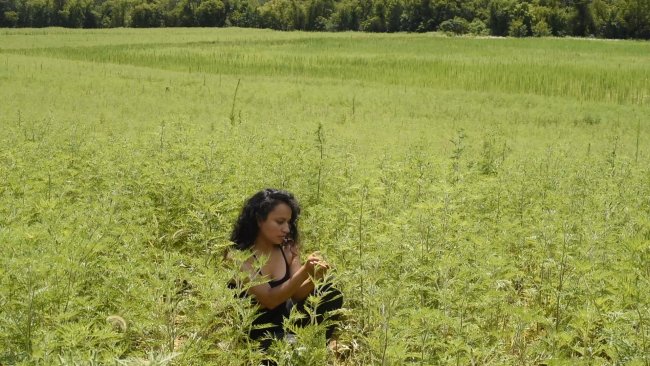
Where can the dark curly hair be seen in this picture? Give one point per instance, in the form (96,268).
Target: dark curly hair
(257,208)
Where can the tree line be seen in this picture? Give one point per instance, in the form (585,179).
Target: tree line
(518,18)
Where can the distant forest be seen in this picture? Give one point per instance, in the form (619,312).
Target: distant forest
(582,18)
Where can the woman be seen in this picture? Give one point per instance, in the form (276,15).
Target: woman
(267,228)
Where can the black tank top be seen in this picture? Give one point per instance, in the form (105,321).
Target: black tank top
(273,317)
(287,275)
(272,283)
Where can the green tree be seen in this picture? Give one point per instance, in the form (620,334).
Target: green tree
(59,16)
(242,13)
(500,17)
(281,14)
(583,20)
(80,14)
(376,22)
(114,13)
(8,13)
(417,16)
(476,9)
(185,13)
(637,18)
(609,21)
(345,16)
(517,28)
(10,18)
(317,13)
(146,15)
(559,19)
(478,27)
(601,18)
(211,13)
(457,25)
(522,20)
(34,13)
(393,15)
(541,29)
(442,10)
(386,16)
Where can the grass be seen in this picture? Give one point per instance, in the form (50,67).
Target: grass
(554,67)
(485,201)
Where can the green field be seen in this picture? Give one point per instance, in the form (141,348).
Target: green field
(485,201)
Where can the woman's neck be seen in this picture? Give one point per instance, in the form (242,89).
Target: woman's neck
(263,246)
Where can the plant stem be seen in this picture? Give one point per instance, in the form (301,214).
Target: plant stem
(162,134)
(561,281)
(386,327)
(361,284)
(320,139)
(638,133)
(234,100)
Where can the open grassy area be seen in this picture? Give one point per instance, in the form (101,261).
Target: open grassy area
(484,201)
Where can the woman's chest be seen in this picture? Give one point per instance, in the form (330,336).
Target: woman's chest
(275,268)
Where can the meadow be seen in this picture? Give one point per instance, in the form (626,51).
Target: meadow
(485,201)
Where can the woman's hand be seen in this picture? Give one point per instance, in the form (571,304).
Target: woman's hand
(315,267)
(311,264)
(320,265)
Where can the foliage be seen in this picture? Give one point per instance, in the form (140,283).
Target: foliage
(211,13)
(478,27)
(541,29)
(517,28)
(483,201)
(583,18)
(455,26)
(146,15)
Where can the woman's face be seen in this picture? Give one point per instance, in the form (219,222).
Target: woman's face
(276,226)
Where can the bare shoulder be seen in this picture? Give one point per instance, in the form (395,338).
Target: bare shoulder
(291,252)
(241,260)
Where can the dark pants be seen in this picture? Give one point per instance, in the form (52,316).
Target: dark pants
(330,299)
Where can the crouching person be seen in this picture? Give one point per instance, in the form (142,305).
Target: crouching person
(267,230)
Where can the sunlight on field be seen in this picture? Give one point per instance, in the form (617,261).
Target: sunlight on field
(485,201)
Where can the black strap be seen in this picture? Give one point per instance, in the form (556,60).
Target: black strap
(285,258)
(259,271)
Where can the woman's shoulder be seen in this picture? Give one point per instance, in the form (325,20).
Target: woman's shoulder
(242,259)
(290,251)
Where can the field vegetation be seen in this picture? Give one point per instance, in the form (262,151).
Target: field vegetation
(484,201)
(517,18)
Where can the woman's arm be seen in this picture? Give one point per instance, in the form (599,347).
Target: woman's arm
(270,297)
(307,286)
